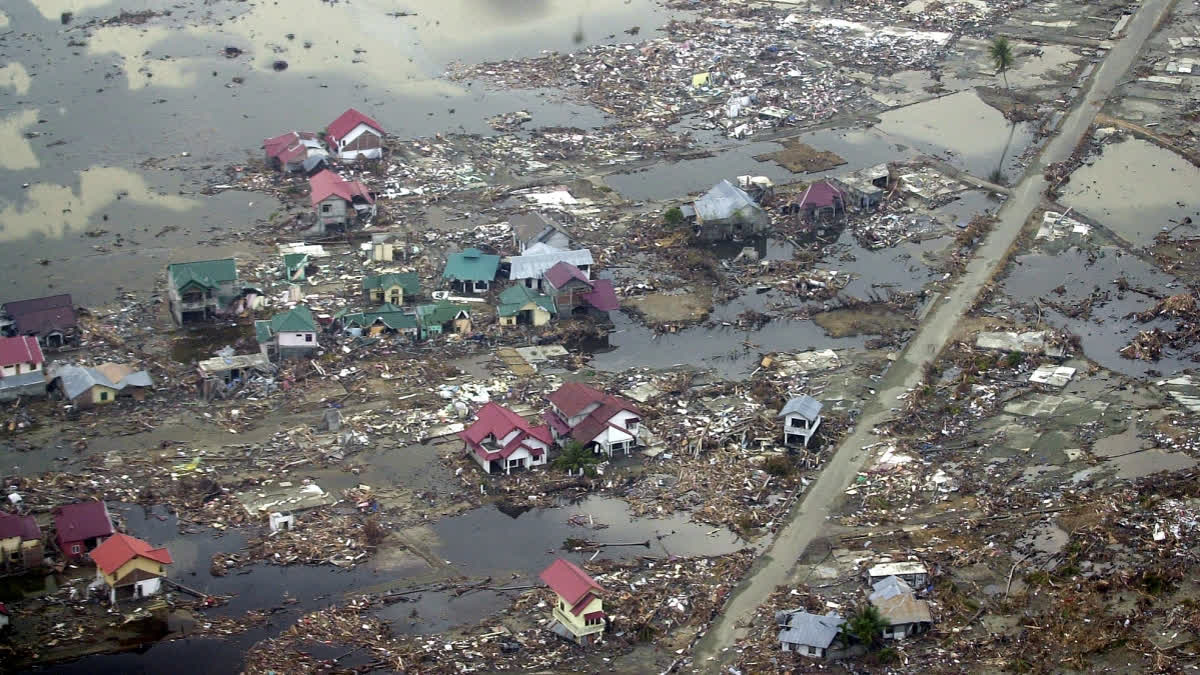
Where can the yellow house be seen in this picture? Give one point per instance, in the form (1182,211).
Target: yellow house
(524,306)
(578,610)
(129,567)
(393,288)
(20,542)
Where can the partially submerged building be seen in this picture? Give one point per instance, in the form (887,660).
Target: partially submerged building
(864,189)
(578,613)
(51,320)
(21,373)
(338,203)
(290,334)
(81,527)
(294,151)
(199,291)
(604,423)
(85,387)
(728,212)
(471,271)
(354,136)
(501,440)
(129,568)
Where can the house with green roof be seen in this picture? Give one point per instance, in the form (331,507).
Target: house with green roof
(443,317)
(295,267)
(521,306)
(288,335)
(472,270)
(200,290)
(392,288)
(387,318)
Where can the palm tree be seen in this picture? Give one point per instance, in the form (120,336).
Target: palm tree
(574,457)
(866,625)
(1002,56)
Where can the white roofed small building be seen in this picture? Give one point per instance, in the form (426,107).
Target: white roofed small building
(801,419)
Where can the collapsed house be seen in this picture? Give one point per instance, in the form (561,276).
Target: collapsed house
(294,152)
(727,212)
(531,229)
(85,387)
(20,543)
(337,203)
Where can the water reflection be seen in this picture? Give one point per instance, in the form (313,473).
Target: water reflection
(15,150)
(15,77)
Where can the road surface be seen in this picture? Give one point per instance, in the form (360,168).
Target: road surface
(809,519)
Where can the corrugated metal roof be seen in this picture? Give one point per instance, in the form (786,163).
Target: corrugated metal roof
(904,608)
(813,630)
(471,265)
(889,588)
(539,258)
(805,406)
(208,273)
(726,201)
(78,379)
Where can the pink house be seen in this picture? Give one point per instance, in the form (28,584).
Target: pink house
(603,422)
(501,440)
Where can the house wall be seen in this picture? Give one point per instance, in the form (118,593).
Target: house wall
(19,368)
(392,294)
(382,252)
(577,624)
(574,421)
(289,339)
(540,316)
(462,325)
(333,210)
(362,139)
(99,395)
(137,563)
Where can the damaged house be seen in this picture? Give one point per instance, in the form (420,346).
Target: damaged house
(574,293)
(578,613)
(530,267)
(864,189)
(129,568)
(903,614)
(201,290)
(337,203)
(471,271)
(813,635)
(386,318)
(86,387)
(354,136)
(801,419)
(442,318)
(21,368)
(79,528)
(521,306)
(51,320)
(607,424)
(393,288)
(290,334)
(501,440)
(819,201)
(20,543)
(531,229)
(727,212)
(295,151)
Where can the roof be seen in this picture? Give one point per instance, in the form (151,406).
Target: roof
(562,273)
(601,418)
(294,261)
(441,312)
(409,281)
(298,319)
(528,225)
(602,296)
(726,201)
(25,527)
(570,583)
(76,522)
(471,265)
(898,569)
(326,184)
(347,121)
(206,273)
(387,314)
(17,308)
(820,194)
(78,379)
(812,630)
(540,257)
(121,548)
(23,349)
(290,146)
(495,420)
(224,364)
(573,397)
(805,406)
(903,608)
(889,587)
(514,298)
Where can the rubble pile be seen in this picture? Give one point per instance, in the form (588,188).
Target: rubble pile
(1148,345)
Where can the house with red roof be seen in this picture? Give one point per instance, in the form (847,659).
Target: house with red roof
(501,440)
(578,610)
(130,568)
(353,136)
(79,528)
(600,421)
(338,202)
(292,152)
(575,293)
(21,368)
(20,543)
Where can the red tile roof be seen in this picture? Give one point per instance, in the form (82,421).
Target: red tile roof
(327,183)
(121,548)
(496,420)
(562,273)
(820,195)
(570,583)
(573,397)
(25,527)
(346,123)
(603,297)
(76,522)
(22,349)
(601,418)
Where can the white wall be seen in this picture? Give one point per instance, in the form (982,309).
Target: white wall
(287,339)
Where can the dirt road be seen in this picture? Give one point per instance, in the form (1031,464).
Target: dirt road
(809,520)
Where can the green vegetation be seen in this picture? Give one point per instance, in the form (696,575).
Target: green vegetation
(673,216)
(1002,57)
(575,458)
(866,625)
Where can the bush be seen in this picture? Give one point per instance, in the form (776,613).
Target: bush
(780,466)
(673,216)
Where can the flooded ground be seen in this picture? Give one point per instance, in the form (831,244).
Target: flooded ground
(1136,189)
(963,130)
